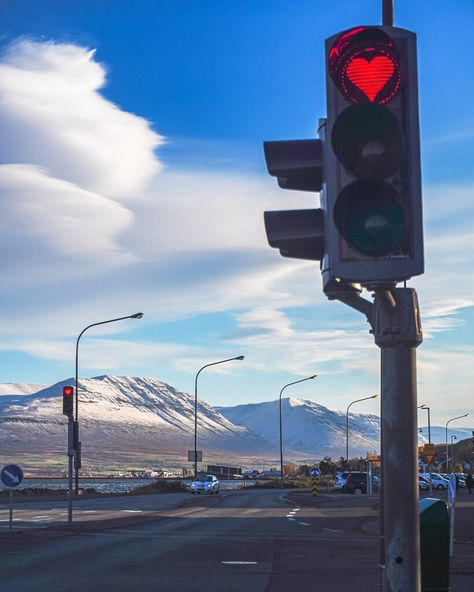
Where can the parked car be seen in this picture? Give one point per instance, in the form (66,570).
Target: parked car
(205,483)
(423,483)
(437,481)
(357,483)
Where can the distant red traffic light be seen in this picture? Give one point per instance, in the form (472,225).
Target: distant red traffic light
(68,401)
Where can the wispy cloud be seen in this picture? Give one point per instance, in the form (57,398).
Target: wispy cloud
(86,203)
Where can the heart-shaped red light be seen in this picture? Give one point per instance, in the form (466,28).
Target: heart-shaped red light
(370,76)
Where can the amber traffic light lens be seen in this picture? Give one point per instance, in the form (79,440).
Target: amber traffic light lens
(367,140)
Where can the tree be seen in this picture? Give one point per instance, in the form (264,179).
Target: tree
(327,466)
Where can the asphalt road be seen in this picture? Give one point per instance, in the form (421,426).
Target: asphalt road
(246,540)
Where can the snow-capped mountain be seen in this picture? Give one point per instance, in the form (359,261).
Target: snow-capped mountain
(309,428)
(313,429)
(10,388)
(123,418)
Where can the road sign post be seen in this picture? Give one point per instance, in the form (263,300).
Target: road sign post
(452,506)
(11,476)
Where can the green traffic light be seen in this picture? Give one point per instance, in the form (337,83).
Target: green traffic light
(370,218)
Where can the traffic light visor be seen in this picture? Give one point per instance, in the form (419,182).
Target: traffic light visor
(370,218)
(365,66)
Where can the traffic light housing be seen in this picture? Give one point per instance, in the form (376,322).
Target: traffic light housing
(371,159)
(68,401)
(297,164)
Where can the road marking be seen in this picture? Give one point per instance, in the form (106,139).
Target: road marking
(135,511)
(239,562)
(292,519)
(304,523)
(95,511)
(40,516)
(330,530)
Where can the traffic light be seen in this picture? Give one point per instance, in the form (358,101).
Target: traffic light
(297,164)
(371,158)
(68,401)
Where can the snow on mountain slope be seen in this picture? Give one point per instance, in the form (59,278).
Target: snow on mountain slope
(11,388)
(308,427)
(120,414)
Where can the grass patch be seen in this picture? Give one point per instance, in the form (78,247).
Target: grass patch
(168,486)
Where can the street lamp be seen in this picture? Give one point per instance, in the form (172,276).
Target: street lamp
(137,315)
(448,422)
(453,437)
(430,467)
(347,422)
(281,425)
(195,404)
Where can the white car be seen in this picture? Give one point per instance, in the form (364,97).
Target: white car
(437,481)
(423,483)
(205,483)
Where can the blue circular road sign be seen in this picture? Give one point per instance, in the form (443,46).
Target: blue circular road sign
(314,472)
(11,476)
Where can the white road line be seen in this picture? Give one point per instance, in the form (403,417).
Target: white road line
(292,519)
(135,511)
(239,562)
(304,523)
(330,530)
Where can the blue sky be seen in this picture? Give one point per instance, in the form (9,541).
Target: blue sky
(132,178)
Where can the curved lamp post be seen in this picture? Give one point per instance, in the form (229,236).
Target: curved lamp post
(195,403)
(137,315)
(347,422)
(430,467)
(452,437)
(447,423)
(281,425)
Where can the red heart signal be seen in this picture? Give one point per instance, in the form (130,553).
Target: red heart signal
(370,76)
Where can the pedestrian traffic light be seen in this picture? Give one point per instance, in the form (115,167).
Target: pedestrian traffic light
(371,157)
(68,401)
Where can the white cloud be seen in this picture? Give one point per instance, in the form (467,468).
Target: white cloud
(92,231)
(53,116)
(49,217)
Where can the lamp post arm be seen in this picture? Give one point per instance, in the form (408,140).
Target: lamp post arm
(281,423)
(196,402)
(77,352)
(347,421)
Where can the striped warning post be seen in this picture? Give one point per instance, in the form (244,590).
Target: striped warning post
(314,487)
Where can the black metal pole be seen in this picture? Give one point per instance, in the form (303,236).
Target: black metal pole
(430,466)
(281,423)
(387,13)
(137,315)
(196,403)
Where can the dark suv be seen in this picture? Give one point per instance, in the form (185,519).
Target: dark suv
(357,483)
